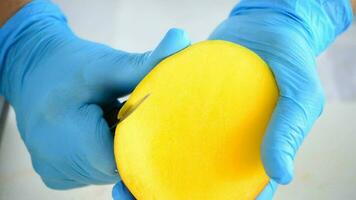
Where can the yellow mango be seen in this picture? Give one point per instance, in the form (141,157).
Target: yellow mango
(193,127)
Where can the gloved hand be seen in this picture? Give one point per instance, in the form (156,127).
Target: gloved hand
(288,35)
(60,87)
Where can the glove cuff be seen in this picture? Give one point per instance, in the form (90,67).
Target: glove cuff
(322,20)
(14,30)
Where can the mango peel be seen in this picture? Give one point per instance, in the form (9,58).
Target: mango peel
(193,127)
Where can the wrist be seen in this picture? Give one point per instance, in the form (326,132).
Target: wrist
(322,22)
(21,38)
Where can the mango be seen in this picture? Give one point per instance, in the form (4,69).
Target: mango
(193,127)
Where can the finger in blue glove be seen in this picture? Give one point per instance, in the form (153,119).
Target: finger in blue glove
(120,192)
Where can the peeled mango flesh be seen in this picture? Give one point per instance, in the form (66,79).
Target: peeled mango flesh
(193,127)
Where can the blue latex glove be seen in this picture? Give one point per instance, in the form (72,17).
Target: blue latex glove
(120,192)
(60,86)
(288,35)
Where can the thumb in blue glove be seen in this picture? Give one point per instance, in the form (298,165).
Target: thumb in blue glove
(60,87)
